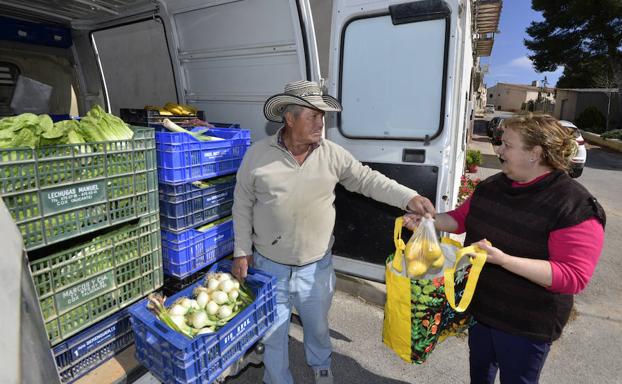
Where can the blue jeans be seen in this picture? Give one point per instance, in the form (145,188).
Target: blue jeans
(310,289)
(519,359)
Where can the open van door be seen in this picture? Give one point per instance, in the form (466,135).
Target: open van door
(401,70)
(230,56)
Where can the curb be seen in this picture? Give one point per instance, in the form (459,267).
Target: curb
(593,138)
(371,292)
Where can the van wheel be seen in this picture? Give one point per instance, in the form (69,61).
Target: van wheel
(575,172)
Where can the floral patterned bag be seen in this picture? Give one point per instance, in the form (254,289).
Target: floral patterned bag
(419,313)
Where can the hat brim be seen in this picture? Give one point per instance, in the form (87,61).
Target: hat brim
(274,106)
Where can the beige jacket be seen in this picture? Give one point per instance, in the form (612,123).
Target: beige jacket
(286,210)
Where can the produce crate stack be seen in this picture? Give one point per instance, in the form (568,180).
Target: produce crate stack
(88,213)
(196,183)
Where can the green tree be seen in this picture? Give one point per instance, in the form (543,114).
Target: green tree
(585,36)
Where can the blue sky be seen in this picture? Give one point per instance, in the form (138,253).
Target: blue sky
(509,62)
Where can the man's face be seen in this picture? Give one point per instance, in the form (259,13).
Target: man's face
(307,127)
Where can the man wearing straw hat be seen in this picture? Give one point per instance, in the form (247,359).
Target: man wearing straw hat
(283,208)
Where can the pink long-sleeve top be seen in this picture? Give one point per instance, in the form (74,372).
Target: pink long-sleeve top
(573,251)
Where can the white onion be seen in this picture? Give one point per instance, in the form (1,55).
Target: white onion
(202,299)
(194,305)
(212,284)
(180,321)
(236,284)
(211,308)
(205,330)
(220,297)
(224,311)
(177,310)
(186,302)
(226,286)
(233,295)
(224,276)
(198,319)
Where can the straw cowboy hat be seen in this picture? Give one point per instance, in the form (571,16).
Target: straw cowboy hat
(305,93)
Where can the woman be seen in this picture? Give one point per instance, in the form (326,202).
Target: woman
(546,232)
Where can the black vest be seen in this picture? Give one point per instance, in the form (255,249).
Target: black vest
(518,221)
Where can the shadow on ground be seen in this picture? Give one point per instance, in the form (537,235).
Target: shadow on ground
(346,370)
(479,127)
(481,139)
(490,161)
(602,158)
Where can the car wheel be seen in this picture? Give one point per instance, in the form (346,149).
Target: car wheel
(575,172)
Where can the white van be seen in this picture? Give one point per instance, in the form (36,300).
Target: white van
(402,70)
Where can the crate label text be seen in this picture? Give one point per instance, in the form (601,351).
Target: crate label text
(236,331)
(73,196)
(84,291)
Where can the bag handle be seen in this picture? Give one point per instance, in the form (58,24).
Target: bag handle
(477,259)
(400,246)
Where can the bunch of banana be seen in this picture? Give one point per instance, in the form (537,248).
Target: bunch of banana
(161,111)
(422,255)
(180,109)
(170,109)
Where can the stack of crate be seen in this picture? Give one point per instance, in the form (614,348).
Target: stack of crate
(196,183)
(88,215)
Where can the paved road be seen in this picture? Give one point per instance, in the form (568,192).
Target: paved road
(589,351)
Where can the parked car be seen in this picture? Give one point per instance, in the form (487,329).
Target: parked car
(489,108)
(494,130)
(578,162)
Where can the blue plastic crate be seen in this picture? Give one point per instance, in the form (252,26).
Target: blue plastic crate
(186,205)
(181,258)
(175,193)
(182,158)
(196,218)
(173,358)
(195,264)
(85,351)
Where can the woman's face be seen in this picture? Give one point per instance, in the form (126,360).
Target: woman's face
(517,162)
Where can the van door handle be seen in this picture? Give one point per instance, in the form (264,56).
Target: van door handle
(413,155)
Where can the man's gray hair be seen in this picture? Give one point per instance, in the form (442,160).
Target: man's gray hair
(294,109)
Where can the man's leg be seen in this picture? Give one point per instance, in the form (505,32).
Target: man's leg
(313,287)
(482,355)
(276,340)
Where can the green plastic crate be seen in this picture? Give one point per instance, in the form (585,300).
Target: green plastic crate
(58,192)
(84,284)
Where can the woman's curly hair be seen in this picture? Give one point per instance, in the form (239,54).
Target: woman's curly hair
(557,142)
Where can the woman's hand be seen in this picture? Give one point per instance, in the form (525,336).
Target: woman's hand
(494,255)
(538,271)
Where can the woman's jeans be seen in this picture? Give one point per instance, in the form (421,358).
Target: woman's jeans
(310,289)
(519,359)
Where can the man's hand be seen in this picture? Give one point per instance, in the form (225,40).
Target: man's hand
(240,266)
(411,220)
(421,206)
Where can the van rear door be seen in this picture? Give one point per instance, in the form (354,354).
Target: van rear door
(390,67)
(230,56)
